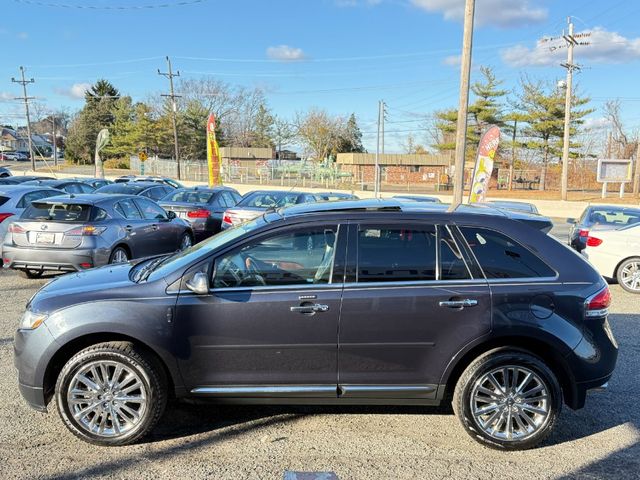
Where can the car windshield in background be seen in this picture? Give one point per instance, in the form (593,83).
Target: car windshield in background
(613,216)
(58,212)
(121,188)
(189,196)
(268,200)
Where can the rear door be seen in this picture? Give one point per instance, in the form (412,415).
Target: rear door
(139,233)
(164,232)
(410,303)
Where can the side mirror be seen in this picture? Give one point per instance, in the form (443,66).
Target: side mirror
(199,284)
(171,214)
(571,221)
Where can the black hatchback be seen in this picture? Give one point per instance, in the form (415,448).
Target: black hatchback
(362,302)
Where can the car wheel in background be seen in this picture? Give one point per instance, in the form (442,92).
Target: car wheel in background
(31,273)
(508,400)
(111,393)
(119,255)
(185,241)
(628,275)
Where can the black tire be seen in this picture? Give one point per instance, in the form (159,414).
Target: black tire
(31,274)
(116,251)
(619,274)
(489,362)
(183,239)
(149,372)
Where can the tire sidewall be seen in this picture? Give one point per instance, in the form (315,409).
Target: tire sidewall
(113,254)
(619,275)
(67,374)
(480,367)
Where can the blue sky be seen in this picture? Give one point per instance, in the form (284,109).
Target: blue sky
(341,55)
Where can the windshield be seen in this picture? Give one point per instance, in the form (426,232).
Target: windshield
(58,212)
(195,253)
(189,196)
(612,217)
(268,200)
(125,188)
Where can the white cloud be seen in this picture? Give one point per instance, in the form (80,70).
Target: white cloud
(503,13)
(4,96)
(76,91)
(285,53)
(595,123)
(23,36)
(452,60)
(605,47)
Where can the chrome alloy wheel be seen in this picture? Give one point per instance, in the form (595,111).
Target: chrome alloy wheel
(630,275)
(107,398)
(120,256)
(510,403)
(186,242)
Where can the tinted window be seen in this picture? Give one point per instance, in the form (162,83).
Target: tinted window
(32,196)
(300,257)
(612,216)
(71,188)
(452,265)
(268,200)
(501,257)
(121,188)
(151,211)
(155,193)
(3,200)
(128,209)
(67,212)
(396,254)
(228,199)
(84,188)
(189,196)
(99,214)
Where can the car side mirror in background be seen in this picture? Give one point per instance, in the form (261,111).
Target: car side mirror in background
(199,284)
(171,215)
(572,221)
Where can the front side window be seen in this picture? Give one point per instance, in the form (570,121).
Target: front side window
(396,254)
(150,210)
(300,257)
(128,209)
(502,257)
(452,264)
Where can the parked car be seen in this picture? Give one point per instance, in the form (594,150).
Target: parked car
(28,178)
(151,190)
(616,255)
(5,172)
(417,198)
(74,233)
(203,208)
(335,196)
(257,202)
(509,205)
(4,157)
(142,178)
(69,186)
(598,218)
(15,156)
(94,182)
(8,181)
(15,198)
(329,303)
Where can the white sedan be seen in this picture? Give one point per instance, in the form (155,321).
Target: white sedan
(616,254)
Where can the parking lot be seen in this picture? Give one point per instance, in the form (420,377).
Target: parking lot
(600,441)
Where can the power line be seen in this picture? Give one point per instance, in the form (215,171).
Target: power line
(174,109)
(177,3)
(26,99)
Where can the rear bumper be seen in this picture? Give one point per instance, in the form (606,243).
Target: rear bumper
(62,260)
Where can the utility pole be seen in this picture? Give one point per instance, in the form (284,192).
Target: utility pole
(461,126)
(26,99)
(174,109)
(636,176)
(55,140)
(376,173)
(384,114)
(513,153)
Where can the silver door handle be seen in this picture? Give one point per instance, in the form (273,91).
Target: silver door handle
(467,302)
(310,308)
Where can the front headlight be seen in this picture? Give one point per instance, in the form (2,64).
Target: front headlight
(31,320)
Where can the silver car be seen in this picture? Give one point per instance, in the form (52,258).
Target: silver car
(73,233)
(15,198)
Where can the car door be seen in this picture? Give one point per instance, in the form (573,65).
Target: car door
(409,304)
(165,234)
(269,324)
(138,232)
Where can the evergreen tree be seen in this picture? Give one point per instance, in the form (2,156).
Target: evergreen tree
(351,137)
(264,126)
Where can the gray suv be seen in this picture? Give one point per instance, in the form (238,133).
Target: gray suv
(340,303)
(73,233)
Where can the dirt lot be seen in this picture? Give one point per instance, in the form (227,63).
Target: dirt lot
(600,441)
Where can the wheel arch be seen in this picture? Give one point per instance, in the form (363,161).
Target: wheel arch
(125,246)
(615,271)
(69,349)
(544,351)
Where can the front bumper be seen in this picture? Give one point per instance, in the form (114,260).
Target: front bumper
(23,258)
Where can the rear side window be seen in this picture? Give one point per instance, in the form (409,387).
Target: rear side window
(3,200)
(189,196)
(65,212)
(502,257)
(452,264)
(396,254)
(155,193)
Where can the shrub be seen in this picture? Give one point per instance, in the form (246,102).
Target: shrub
(117,163)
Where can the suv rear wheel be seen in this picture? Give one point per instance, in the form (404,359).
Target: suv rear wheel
(111,393)
(508,400)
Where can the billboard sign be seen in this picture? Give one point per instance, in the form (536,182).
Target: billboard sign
(614,170)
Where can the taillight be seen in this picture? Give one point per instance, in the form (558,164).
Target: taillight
(598,305)
(227,219)
(593,241)
(13,228)
(85,231)
(4,216)
(200,213)
(583,233)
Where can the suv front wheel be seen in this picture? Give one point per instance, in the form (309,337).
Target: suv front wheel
(508,400)
(111,393)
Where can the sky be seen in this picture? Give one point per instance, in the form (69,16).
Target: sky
(339,55)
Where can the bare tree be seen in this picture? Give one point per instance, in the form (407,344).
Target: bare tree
(624,142)
(319,133)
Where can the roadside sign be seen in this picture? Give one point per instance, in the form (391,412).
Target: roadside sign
(142,156)
(613,170)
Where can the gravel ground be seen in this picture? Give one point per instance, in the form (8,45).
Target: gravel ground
(600,441)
